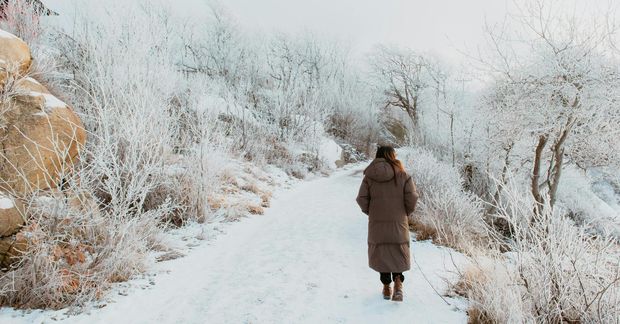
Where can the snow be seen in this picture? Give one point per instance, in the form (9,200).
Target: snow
(595,206)
(51,102)
(5,34)
(33,80)
(330,152)
(304,261)
(6,203)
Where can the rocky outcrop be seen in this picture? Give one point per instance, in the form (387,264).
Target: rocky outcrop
(10,248)
(40,135)
(40,140)
(12,243)
(11,215)
(14,54)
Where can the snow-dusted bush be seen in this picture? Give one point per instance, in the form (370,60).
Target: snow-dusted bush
(281,93)
(489,284)
(22,18)
(125,103)
(209,166)
(75,250)
(449,214)
(354,119)
(555,271)
(145,165)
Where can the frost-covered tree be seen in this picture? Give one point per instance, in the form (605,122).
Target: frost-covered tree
(399,74)
(555,87)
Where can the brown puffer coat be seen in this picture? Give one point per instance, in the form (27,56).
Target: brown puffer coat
(387,199)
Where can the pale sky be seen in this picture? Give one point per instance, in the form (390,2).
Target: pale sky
(430,26)
(435,26)
(439,27)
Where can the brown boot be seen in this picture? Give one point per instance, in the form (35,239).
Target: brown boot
(398,289)
(387,291)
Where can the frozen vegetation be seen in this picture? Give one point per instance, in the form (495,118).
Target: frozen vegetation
(193,125)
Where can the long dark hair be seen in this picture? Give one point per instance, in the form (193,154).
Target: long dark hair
(389,154)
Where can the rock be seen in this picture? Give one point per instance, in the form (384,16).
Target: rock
(14,54)
(40,135)
(31,85)
(11,215)
(11,248)
(41,138)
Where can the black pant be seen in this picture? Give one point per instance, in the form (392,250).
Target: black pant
(386,279)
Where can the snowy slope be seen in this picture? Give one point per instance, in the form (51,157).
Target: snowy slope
(304,261)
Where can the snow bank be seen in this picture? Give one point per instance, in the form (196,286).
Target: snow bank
(577,193)
(5,34)
(330,152)
(50,101)
(6,203)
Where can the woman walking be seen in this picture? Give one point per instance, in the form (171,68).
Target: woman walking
(388,195)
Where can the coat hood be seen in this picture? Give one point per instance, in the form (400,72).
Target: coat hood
(379,170)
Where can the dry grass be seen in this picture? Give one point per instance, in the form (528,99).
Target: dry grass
(477,316)
(265,198)
(471,277)
(423,231)
(215,202)
(504,305)
(251,187)
(256,210)
(74,254)
(172,255)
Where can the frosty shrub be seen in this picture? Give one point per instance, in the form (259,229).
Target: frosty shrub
(489,284)
(200,170)
(75,250)
(170,107)
(445,212)
(554,271)
(22,18)
(282,94)
(144,166)
(354,120)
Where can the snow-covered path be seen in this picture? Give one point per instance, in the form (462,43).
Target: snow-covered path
(304,261)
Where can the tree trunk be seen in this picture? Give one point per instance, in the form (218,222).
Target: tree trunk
(558,158)
(542,142)
(498,192)
(452,139)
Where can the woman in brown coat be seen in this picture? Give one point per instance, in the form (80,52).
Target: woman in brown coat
(388,195)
